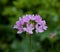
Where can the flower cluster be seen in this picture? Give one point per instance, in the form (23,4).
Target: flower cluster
(28,23)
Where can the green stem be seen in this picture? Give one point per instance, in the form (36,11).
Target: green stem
(30,43)
(52,46)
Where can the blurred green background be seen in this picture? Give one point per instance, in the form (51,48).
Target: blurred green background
(48,41)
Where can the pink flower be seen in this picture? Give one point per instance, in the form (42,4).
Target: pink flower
(52,35)
(39,28)
(29,29)
(24,25)
(38,19)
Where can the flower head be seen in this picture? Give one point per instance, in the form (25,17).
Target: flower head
(24,24)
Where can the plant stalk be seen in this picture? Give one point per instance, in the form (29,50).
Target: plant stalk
(30,39)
